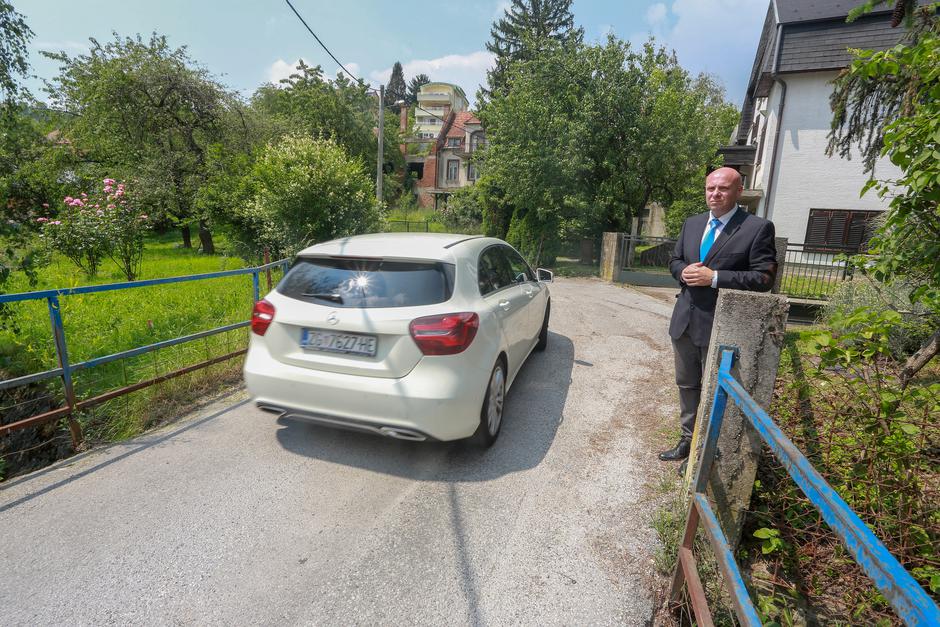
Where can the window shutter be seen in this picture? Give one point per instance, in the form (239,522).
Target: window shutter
(816,227)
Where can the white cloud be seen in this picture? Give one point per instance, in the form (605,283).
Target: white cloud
(352,68)
(466,70)
(656,13)
(281,69)
(714,36)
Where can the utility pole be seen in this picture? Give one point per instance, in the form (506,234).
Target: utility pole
(378,165)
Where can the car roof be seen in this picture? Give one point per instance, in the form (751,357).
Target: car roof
(403,245)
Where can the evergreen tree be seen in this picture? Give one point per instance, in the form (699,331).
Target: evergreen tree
(415,86)
(519,35)
(396,89)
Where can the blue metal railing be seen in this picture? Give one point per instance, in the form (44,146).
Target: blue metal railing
(902,591)
(66,369)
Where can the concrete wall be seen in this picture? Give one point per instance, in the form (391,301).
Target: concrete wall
(806,178)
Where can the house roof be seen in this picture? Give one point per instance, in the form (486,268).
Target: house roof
(793,11)
(461,120)
(813,36)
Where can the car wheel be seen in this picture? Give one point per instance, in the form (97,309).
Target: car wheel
(543,334)
(491,414)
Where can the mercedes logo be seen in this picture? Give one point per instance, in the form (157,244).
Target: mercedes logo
(332,319)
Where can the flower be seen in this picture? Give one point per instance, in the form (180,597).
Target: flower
(45,205)
(76,202)
(108,181)
(42,219)
(67,199)
(56,222)
(142,216)
(111,206)
(100,212)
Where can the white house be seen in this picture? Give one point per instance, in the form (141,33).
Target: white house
(780,143)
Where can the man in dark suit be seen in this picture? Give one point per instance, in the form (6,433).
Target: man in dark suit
(726,248)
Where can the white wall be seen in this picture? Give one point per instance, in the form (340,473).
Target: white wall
(805,177)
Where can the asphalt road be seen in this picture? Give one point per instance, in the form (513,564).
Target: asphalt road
(230,516)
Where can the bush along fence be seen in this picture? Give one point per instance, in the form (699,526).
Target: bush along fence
(806,272)
(66,370)
(723,483)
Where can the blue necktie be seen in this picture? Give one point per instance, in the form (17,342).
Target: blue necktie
(709,239)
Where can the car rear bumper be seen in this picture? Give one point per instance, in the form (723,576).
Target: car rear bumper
(440,399)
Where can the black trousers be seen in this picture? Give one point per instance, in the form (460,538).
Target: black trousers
(690,364)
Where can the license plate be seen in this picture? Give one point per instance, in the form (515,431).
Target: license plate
(331,342)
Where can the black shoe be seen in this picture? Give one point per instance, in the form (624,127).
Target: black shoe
(682,468)
(680,452)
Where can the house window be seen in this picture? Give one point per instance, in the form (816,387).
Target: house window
(453,142)
(477,140)
(839,229)
(471,172)
(453,166)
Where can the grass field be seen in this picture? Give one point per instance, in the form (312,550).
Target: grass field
(105,323)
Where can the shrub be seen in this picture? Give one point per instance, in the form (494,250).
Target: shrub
(105,224)
(904,337)
(304,190)
(463,211)
(536,239)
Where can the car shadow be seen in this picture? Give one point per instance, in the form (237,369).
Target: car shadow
(534,410)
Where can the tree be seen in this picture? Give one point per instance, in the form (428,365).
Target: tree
(414,86)
(14,37)
(589,136)
(396,89)
(147,112)
(521,33)
(340,108)
(302,190)
(888,104)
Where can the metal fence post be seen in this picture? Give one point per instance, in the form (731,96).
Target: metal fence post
(255,286)
(61,349)
(267,270)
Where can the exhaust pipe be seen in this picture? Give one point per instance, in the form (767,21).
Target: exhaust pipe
(402,434)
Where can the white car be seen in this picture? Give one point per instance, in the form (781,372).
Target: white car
(411,336)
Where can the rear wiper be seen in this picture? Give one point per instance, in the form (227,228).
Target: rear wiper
(336,298)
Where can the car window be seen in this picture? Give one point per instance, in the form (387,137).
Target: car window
(367,283)
(493,272)
(521,272)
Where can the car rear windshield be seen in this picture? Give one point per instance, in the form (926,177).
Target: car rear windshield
(368,283)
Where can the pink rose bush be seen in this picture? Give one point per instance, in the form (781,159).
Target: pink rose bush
(105,223)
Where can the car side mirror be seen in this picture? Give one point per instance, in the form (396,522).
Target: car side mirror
(545,276)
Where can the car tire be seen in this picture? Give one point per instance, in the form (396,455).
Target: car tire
(491,414)
(543,334)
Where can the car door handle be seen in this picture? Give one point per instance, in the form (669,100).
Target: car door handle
(504,304)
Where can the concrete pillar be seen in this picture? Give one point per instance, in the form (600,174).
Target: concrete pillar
(631,245)
(781,244)
(612,256)
(755,323)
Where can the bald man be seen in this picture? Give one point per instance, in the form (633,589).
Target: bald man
(725,248)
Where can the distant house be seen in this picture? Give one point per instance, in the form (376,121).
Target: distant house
(779,145)
(436,101)
(445,137)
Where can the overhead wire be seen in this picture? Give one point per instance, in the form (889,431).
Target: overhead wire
(356,78)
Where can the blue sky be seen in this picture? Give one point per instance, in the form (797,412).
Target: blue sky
(245,43)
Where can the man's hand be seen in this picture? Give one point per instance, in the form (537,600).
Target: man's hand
(697,275)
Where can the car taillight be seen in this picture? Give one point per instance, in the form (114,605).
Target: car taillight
(448,334)
(261,317)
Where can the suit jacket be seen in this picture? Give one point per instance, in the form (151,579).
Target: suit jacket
(744,256)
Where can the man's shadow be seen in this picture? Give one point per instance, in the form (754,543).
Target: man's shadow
(533,411)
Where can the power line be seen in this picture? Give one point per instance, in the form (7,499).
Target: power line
(353,76)
(332,56)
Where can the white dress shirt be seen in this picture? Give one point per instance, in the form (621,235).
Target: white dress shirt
(718,229)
